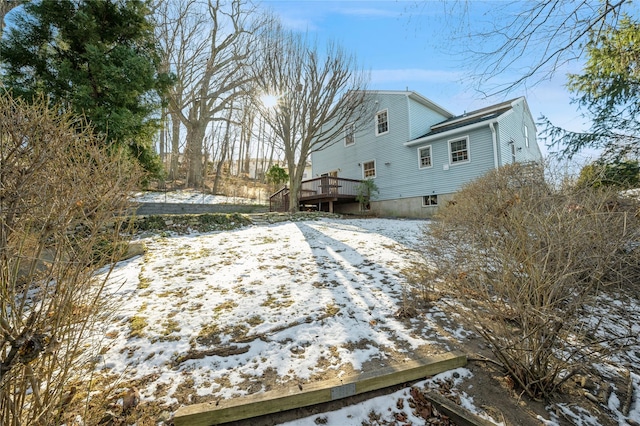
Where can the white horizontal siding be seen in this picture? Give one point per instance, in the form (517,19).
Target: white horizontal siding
(398,175)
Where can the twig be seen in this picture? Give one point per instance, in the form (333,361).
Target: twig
(264,336)
(627,402)
(225,351)
(484,359)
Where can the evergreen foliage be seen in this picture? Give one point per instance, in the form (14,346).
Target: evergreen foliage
(95,58)
(277,175)
(608,89)
(365,191)
(622,174)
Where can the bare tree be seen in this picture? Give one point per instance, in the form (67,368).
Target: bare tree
(224,151)
(529,39)
(208,49)
(316,93)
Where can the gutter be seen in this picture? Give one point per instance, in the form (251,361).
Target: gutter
(495,143)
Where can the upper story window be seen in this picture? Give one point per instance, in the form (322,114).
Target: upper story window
(369,169)
(349,136)
(526,136)
(424,154)
(459,150)
(382,122)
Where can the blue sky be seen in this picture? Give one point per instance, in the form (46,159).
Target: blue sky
(405,45)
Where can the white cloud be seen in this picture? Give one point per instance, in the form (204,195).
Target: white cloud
(382,76)
(365,12)
(298,24)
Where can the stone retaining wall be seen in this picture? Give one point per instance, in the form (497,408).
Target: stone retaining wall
(148,209)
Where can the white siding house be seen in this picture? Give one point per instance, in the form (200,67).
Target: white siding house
(419,154)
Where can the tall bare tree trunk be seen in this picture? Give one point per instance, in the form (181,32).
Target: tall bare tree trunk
(175,147)
(195,141)
(223,152)
(163,141)
(247,142)
(261,132)
(272,150)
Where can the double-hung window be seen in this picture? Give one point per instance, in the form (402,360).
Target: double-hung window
(349,137)
(424,155)
(459,150)
(369,169)
(382,122)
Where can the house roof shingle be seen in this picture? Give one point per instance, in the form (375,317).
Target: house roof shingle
(469,118)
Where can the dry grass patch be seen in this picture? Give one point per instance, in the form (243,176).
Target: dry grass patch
(137,324)
(227,305)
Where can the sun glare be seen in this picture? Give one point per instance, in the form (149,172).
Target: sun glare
(269,101)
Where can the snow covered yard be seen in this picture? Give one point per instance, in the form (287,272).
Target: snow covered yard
(223,314)
(211,316)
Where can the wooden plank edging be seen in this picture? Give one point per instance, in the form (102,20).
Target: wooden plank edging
(459,415)
(212,413)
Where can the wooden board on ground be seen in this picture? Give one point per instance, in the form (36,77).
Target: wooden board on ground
(456,413)
(212,413)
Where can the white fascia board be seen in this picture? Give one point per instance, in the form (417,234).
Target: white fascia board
(418,98)
(451,132)
(430,104)
(503,116)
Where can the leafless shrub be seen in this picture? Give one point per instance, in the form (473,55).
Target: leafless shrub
(528,259)
(421,277)
(62,192)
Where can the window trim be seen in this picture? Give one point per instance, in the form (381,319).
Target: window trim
(430,197)
(420,166)
(451,141)
(375,172)
(349,127)
(386,111)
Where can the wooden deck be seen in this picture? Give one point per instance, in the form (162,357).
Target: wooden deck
(321,193)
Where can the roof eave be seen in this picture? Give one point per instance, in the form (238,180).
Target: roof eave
(483,111)
(451,132)
(430,104)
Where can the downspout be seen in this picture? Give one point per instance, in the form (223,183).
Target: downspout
(495,144)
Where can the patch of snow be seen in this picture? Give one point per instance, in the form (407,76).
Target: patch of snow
(188,197)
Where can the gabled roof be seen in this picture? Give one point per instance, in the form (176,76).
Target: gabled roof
(416,97)
(469,119)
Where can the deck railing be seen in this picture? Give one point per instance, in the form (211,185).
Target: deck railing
(329,186)
(316,190)
(279,201)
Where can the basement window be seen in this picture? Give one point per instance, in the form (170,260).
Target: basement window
(429,200)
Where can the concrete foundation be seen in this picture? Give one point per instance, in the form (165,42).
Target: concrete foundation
(404,207)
